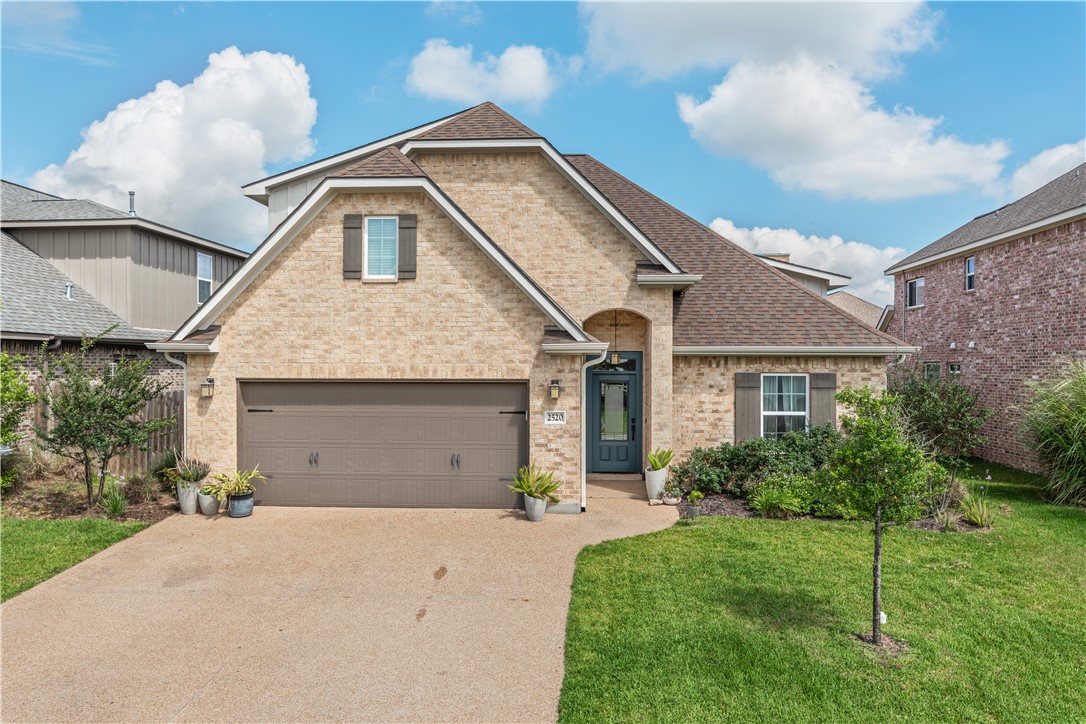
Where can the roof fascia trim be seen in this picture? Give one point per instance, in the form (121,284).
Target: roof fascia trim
(668,280)
(777,351)
(133,221)
(1047,222)
(831,278)
(259,189)
(574,347)
(304,214)
(601,202)
(170,346)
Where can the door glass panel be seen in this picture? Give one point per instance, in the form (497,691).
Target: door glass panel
(624,365)
(614,407)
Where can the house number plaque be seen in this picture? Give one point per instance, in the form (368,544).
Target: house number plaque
(554,417)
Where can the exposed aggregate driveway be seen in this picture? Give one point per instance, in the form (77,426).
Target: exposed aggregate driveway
(310,614)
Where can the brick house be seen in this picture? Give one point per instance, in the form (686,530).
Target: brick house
(1001,301)
(436,308)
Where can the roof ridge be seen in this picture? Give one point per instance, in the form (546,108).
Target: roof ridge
(37,191)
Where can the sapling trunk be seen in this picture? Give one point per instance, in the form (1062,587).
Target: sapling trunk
(88,480)
(876,570)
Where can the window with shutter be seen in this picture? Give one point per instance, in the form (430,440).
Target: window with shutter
(408,244)
(381,247)
(748,390)
(823,406)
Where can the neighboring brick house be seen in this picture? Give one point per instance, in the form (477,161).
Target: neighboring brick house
(71,268)
(436,308)
(1001,301)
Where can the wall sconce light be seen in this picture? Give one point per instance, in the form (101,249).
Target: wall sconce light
(555,389)
(954,345)
(207,387)
(972,345)
(616,358)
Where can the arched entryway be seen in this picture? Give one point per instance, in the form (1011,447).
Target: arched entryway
(616,406)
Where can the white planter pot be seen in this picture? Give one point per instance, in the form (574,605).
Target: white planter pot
(535,507)
(671,501)
(209,504)
(186,497)
(654,483)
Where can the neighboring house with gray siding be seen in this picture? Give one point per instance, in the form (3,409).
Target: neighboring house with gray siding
(436,308)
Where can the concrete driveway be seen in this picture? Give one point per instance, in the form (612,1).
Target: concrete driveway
(311,614)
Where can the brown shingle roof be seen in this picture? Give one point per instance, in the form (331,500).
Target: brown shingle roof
(862,309)
(387,163)
(484,121)
(1059,195)
(741,300)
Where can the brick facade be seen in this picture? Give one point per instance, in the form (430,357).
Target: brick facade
(1025,318)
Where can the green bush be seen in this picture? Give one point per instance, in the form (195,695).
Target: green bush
(165,460)
(737,469)
(1056,422)
(977,510)
(113,501)
(775,501)
(141,488)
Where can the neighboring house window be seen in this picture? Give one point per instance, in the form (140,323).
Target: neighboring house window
(953,368)
(380,252)
(914,293)
(784,404)
(203,277)
(970,274)
(931,371)
(112,369)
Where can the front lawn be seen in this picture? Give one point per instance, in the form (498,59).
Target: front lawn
(753,620)
(34,550)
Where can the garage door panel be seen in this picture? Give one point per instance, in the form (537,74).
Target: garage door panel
(384,444)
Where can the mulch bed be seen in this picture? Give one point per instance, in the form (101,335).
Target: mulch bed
(964,526)
(889,645)
(57,498)
(720,506)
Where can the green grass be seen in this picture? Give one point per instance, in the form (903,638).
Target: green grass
(33,550)
(753,620)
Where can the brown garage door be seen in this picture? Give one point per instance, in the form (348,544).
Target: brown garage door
(394,444)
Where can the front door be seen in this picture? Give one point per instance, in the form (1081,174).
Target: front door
(614,415)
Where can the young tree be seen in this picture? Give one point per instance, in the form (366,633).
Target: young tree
(96,412)
(15,398)
(879,471)
(944,414)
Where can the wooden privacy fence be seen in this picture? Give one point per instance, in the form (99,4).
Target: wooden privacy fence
(168,404)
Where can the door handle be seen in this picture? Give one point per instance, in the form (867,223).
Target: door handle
(457,461)
(452,460)
(633,427)
(310,458)
(317,457)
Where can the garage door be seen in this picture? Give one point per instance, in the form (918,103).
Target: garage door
(392,444)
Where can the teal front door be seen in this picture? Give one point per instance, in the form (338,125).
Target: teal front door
(614,415)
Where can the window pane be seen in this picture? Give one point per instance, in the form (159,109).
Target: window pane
(203,266)
(778,425)
(784,393)
(381,247)
(204,290)
(614,412)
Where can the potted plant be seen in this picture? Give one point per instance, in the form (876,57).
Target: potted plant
(656,472)
(188,474)
(208,497)
(237,488)
(538,488)
(672,494)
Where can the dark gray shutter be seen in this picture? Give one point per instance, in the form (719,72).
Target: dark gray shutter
(352,246)
(408,243)
(823,406)
(748,405)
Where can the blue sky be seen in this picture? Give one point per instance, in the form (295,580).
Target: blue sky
(848,135)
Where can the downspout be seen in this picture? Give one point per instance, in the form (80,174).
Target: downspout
(184,401)
(584,425)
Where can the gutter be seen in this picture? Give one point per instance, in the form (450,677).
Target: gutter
(575,347)
(584,424)
(184,401)
(710,350)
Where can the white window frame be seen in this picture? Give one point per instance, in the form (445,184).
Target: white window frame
(917,283)
(953,368)
(970,274)
(761,400)
(210,280)
(366,248)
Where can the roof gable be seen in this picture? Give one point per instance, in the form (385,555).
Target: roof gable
(1063,194)
(741,301)
(485,121)
(389,163)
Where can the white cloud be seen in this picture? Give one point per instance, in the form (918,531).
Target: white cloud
(48,28)
(1045,166)
(813,126)
(463,11)
(863,262)
(186,150)
(660,40)
(521,74)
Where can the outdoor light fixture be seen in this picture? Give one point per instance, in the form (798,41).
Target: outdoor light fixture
(615,356)
(555,388)
(207,387)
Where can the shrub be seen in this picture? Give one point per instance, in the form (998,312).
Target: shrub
(141,488)
(165,460)
(737,469)
(113,502)
(946,521)
(977,510)
(1056,422)
(15,398)
(774,501)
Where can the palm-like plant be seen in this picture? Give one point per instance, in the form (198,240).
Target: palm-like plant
(535,484)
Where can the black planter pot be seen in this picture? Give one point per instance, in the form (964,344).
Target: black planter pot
(241,506)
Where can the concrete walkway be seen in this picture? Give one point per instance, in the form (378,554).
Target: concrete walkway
(312,615)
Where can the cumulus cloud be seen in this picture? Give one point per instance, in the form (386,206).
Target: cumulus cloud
(660,40)
(186,150)
(863,262)
(814,126)
(1045,166)
(49,28)
(521,74)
